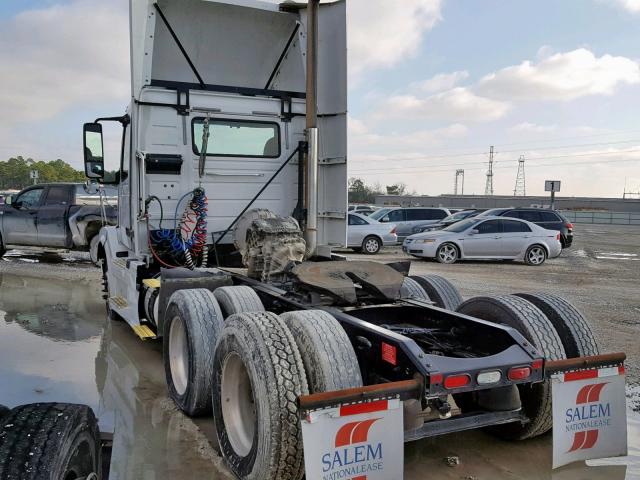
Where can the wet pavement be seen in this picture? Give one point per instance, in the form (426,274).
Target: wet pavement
(57,345)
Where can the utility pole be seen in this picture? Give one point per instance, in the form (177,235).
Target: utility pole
(488,189)
(459,185)
(521,187)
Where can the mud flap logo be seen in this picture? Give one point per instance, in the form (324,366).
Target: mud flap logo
(355,442)
(589,416)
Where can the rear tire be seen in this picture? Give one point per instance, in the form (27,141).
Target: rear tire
(537,329)
(371,245)
(440,290)
(3,250)
(573,329)
(535,256)
(50,441)
(192,325)
(258,377)
(327,354)
(412,289)
(238,299)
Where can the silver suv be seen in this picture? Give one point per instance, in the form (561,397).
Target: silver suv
(406,218)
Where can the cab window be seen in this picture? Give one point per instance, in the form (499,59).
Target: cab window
(237,138)
(57,196)
(30,198)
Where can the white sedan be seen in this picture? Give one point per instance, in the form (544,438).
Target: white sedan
(486,238)
(367,235)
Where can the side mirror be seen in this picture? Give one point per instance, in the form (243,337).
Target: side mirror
(93,151)
(473,231)
(8,200)
(384,219)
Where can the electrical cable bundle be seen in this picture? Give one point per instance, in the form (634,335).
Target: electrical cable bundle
(187,240)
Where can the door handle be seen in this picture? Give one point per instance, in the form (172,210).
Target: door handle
(497,238)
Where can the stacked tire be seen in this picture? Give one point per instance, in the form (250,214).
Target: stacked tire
(555,328)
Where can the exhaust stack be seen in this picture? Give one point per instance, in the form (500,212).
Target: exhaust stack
(311,161)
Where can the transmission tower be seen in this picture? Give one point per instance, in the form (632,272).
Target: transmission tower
(459,182)
(521,187)
(488,189)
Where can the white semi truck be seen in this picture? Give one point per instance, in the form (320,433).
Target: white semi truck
(234,153)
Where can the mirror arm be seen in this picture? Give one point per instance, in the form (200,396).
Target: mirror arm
(124,119)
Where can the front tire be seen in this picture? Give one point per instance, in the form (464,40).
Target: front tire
(536,255)
(50,441)
(192,325)
(371,245)
(447,253)
(258,377)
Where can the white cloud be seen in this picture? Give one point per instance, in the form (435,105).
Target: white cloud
(631,5)
(61,57)
(561,76)
(527,127)
(383,33)
(457,104)
(362,139)
(441,82)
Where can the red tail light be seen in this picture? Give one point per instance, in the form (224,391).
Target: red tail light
(519,373)
(558,236)
(569,226)
(536,364)
(393,230)
(389,354)
(457,381)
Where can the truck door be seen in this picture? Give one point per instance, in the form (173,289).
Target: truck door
(19,222)
(53,217)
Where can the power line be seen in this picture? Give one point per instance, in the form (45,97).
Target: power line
(476,154)
(428,168)
(587,162)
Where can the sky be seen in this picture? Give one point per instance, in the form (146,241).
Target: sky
(432,85)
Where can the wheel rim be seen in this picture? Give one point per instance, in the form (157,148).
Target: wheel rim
(536,256)
(178,355)
(371,245)
(238,405)
(448,253)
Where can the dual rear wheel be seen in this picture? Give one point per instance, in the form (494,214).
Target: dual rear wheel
(251,372)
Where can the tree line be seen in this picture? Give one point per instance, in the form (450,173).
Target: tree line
(360,192)
(15,172)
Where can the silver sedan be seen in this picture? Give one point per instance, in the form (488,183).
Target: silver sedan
(497,238)
(367,235)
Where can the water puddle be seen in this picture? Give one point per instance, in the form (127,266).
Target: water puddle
(56,345)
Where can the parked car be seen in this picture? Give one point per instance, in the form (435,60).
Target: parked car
(549,219)
(445,222)
(406,218)
(367,235)
(482,237)
(56,215)
(363,209)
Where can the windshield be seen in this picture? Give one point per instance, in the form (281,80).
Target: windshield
(493,211)
(457,216)
(377,215)
(461,226)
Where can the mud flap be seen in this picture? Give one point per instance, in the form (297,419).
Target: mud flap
(589,413)
(356,433)
(355,440)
